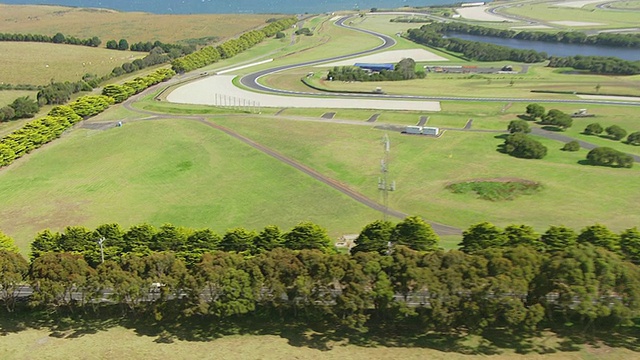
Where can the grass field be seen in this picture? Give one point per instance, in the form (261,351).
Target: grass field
(61,63)
(538,77)
(195,176)
(423,166)
(547,12)
(135,27)
(120,342)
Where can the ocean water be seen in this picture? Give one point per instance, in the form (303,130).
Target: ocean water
(235,6)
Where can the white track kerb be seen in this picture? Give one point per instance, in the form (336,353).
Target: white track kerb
(219,90)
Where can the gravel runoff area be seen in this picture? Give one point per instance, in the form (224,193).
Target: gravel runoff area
(575,23)
(219,90)
(392,56)
(480,13)
(607,97)
(578,4)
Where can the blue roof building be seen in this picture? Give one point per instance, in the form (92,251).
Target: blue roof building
(375,67)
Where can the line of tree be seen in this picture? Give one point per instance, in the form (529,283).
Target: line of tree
(28,87)
(58,38)
(565,37)
(403,70)
(120,93)
(597,64)
(489,285)
(474,50)
(38,132)
(210,54)
(613,132)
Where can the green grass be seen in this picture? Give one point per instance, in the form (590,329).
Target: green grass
(548,12)
(422,167)
(495,190)
(176,171)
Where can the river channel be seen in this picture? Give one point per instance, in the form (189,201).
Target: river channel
(556,49)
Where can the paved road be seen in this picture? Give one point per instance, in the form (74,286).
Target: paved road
(251,80)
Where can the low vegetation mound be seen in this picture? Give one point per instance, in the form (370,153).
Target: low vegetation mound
(496,189)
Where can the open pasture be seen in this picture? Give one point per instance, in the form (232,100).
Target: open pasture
(40,63)
(133,26)
(423,166)
(177,171)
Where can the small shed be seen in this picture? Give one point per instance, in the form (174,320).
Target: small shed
(427,130)
(375,67)
(413,129)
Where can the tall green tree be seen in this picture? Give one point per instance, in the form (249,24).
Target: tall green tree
(558,238)
(519,126)
(374,237)
(482,236)
(630,244)
(13,275)
(599,235)
(307,235)
(24,107)
(7,243)
(414,233)
(535,111)
(268,239)
(522,235)
(238,240)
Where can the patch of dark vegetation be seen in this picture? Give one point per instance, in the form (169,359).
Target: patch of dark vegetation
(496,189)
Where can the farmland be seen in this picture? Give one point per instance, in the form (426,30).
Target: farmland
(135,27)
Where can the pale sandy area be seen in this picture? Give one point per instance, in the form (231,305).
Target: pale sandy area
(604,97)
(392,56)
(578,4)
(574,23)
(219,90)
(531,27)
(480,13)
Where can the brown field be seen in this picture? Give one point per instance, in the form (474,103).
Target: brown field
(122,343)
(133,26)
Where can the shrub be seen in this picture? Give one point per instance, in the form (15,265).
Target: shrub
(522,146)
(634,138)
(593,129)
(616,132)
(605,156)
(571,146)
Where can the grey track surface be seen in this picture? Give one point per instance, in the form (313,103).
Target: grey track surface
(373,118)
(423,120)
(251,80)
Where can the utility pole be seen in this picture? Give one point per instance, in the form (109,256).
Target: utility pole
(383,181)
(100,242)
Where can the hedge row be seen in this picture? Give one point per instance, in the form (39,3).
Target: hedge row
(209,54)
(38,132)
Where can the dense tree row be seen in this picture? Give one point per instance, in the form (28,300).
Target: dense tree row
(58,38)
(210,54)
(173,50)
(474,50)
(432,35)
(566,37)
(120,93)
(404,70)
(505,282)
(40,131)
(597,64)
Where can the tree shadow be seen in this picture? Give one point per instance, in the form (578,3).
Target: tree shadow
(551,128)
